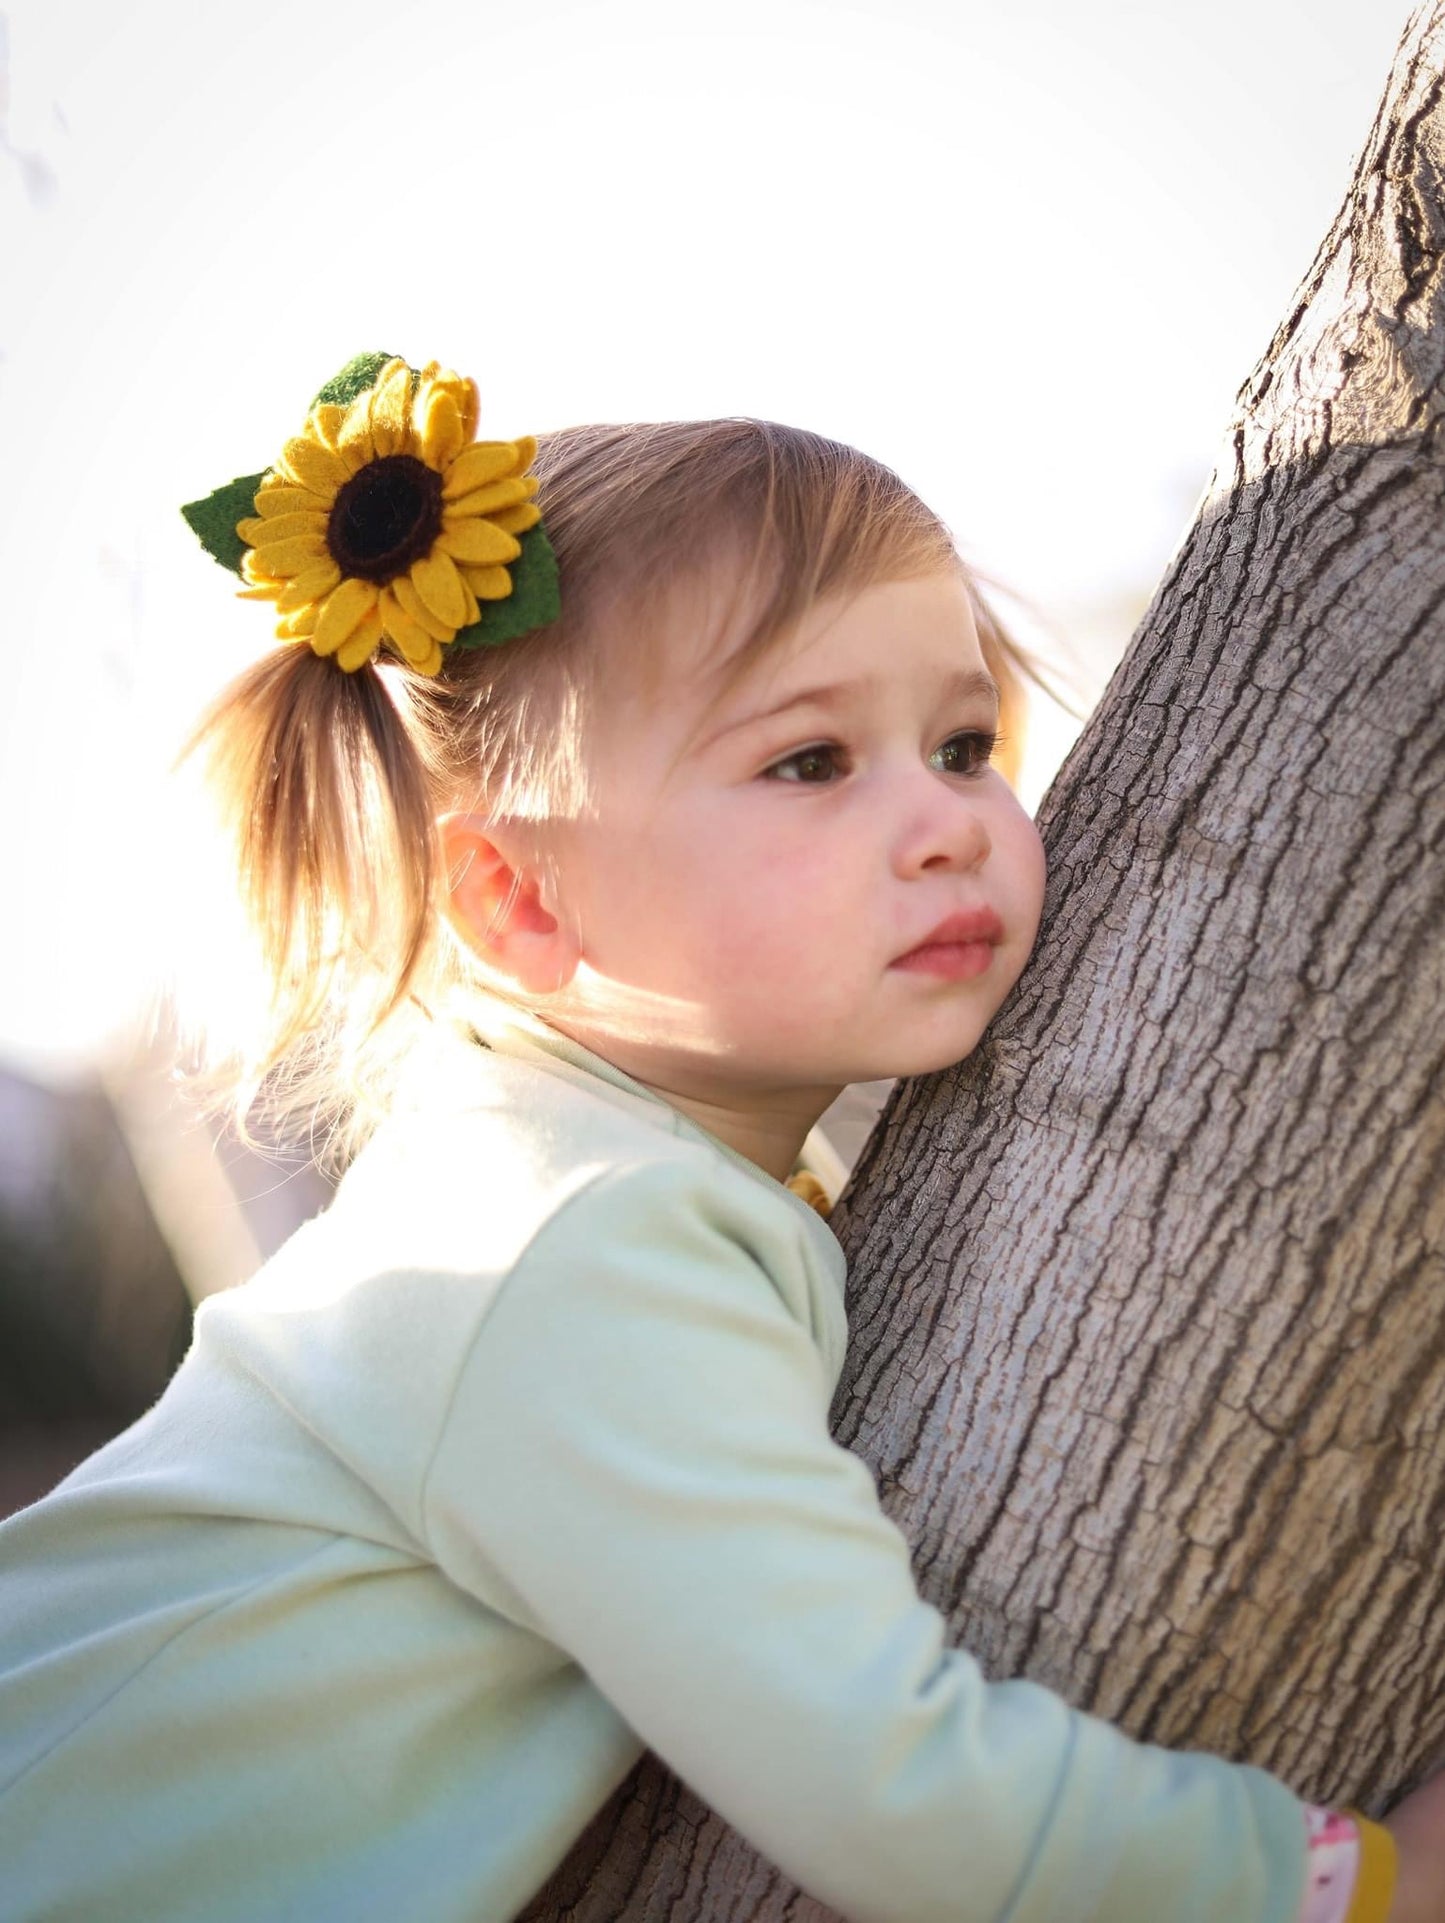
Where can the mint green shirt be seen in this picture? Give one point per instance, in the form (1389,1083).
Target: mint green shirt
(512,1463)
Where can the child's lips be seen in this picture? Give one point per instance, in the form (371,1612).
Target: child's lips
(967,925)
(959,948)
(956,961)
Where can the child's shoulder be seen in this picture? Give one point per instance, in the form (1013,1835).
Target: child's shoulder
(524,1178)
(526,1215)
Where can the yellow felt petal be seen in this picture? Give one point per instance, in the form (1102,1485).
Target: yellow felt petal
(390,403)
(436,580)
(438,423)
(326,422)
(314,584)
(489,584)
(486,500)
(279,497)
(342,612)
(478,543)
(282,559)
(525,450)
(268,529)
(311,465)
(413,605)
(353,440)
(429,663)
(253,572)
(266,593)
(355,652)
(464,391)
(300,625)
(476,465)
(413,640)
(516,520)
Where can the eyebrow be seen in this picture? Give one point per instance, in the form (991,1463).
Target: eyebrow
(959,686)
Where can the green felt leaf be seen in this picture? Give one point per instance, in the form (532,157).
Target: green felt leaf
(360,372)
(213,521)
(534,601)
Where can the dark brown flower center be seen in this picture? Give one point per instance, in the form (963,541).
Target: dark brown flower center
(385,517)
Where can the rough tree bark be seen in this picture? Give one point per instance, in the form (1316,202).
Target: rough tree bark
(1148,1297)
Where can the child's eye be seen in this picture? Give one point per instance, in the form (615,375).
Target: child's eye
(815,765)
(965,754)
(962,754)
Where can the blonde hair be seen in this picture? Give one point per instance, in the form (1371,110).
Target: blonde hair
(330,784)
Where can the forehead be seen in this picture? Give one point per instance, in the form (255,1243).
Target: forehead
(888,633)
(695,678)
(886,630)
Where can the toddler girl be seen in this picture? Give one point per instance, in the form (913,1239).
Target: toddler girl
(591,857)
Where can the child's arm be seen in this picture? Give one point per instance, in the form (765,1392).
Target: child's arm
(637,1464)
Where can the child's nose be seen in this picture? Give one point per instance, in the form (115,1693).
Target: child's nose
(946,830)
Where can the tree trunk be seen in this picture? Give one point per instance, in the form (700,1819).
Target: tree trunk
(1148,1296)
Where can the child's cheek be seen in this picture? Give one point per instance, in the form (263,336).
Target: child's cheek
(805,884)
(1019,860)
(1030,896)
(786,902)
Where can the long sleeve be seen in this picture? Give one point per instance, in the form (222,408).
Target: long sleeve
(636,1463)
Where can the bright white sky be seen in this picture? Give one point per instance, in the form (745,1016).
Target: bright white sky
(1025,254)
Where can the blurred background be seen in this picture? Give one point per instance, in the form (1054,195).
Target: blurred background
(1025,255)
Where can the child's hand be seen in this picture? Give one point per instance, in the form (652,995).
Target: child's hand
(1418,1827)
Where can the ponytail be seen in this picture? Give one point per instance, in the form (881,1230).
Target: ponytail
(325,799)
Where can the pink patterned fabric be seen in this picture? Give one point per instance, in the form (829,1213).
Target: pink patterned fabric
(1333,1864)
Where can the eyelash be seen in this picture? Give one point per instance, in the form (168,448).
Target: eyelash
(981,748)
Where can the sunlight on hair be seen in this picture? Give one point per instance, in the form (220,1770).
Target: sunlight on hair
(215,991)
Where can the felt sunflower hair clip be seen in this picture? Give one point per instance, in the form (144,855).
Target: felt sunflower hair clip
(384,522)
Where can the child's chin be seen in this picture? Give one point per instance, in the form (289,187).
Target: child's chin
(922,1059)
(937,1062)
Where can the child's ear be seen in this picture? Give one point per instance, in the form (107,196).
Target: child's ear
(495,904)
